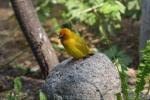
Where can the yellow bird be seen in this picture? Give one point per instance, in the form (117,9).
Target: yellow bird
(74,44)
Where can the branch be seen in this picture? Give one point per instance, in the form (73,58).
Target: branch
(35,35)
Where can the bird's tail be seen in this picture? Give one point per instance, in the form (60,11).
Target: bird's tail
(91,52)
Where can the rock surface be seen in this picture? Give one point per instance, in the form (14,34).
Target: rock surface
(94,78)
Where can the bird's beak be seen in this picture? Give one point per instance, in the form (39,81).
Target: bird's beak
(60,36)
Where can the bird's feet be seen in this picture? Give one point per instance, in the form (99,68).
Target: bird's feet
(87,56)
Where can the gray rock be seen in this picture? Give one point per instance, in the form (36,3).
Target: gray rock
(94,78)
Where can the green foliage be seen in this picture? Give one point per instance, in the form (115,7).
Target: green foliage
(121,60)
(43,9)
(144,70)
(42,96)
(113,9)
(10,97)
(123,76)
(17,89)
(104,13)
(17,85)
(55,26)
(24,70)
(119,97)
(96,13)
(133,8)
(114,53)
(87,11)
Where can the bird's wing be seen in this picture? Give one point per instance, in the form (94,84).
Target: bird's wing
(73,48)
(81,45)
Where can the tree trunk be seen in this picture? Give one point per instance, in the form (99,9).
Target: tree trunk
(35,34)
(145,23)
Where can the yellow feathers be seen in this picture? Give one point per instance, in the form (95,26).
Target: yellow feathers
(74,44)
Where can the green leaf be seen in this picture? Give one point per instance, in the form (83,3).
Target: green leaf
(42,96)
(114,53)
(42,17)
(55,24)
(143,70)
(17,85)
(90,18)
(58,1)
(111,52)
(10,97)
(123,76)
(121,7)
(133,5)
(106,8)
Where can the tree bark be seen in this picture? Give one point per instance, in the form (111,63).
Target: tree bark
(145,23)
(35,35)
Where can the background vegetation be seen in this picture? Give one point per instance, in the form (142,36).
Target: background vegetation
(102,17)
(109,26)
